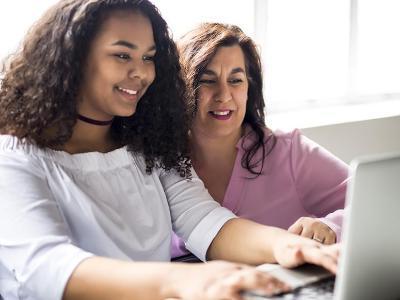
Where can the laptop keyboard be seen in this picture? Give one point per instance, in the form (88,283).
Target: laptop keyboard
(319,290)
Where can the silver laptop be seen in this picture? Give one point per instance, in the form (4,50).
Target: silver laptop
(369,265)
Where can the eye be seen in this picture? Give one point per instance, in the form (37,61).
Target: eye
(122,56)
(206,81)
(148,58)
(235,81)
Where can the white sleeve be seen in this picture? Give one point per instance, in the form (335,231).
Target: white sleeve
(196,217)
(36,252)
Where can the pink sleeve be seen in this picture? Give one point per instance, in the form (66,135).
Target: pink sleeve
(177,246)
(320,180)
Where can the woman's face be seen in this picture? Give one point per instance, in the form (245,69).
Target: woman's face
(119,67)
(222,94)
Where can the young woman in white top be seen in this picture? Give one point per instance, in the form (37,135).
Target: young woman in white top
(94,170)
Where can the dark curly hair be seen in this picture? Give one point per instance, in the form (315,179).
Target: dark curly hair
(197,48)
(40,84)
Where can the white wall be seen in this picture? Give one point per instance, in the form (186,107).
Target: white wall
(349,140)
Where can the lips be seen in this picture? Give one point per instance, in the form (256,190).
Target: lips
(128,91)
(128,94)
(221,114)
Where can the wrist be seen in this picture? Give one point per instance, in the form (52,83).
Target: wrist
(171,286)
(280,239)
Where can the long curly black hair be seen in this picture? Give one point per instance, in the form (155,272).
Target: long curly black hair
(197,48)
(40,84)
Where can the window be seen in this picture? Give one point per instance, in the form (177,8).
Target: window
(305,52)
(315,52)
(377,53)
(182,16)
(16,17)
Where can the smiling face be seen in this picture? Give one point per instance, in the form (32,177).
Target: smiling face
(222,94)
(119,67)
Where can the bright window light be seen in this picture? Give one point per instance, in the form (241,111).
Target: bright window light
(16,17)
(378,49)
(182,16)
(314,52)
(306,51)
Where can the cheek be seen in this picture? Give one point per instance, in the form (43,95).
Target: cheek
(241,98)
(93,85)
(201,110)
(203,99)
(103,69)
(202,107)
(102,78)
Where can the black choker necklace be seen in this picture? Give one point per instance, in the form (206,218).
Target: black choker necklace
(94,122)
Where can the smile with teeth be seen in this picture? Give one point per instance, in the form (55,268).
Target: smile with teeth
(220,112)
(130,92)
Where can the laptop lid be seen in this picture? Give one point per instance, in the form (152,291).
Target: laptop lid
(369,265)
(370,258)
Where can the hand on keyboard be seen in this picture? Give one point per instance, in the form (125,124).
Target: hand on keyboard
(292,251)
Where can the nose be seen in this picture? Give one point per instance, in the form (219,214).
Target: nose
(137,70)
(223,93)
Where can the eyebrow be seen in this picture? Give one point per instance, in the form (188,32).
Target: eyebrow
(129,45)
(234,71)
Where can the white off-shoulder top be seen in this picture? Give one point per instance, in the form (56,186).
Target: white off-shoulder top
(56,209)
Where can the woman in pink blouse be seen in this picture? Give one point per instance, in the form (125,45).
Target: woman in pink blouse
(275,178)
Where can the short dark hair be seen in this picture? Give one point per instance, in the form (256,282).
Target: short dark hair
(197,48)
(40,84)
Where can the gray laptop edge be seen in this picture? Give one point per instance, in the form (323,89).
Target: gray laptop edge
(370,259)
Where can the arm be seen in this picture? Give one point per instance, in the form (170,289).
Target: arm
(246,241)
(100,278)
(195,216)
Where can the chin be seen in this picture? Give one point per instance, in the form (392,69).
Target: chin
(125,113)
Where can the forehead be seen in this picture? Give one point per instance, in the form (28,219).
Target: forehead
(131,26)
(229,56)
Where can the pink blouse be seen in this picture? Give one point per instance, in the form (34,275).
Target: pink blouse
(299,178)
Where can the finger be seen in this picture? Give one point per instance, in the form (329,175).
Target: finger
(292,257)
(330,238)
(220,287)
(307,232)
(296,228)
(319,255)
(324,234)
(260,281)
(252,280)
(318,237)
(333,250)
(320,234)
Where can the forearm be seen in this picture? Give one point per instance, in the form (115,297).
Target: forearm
(103,278)
(245,241)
